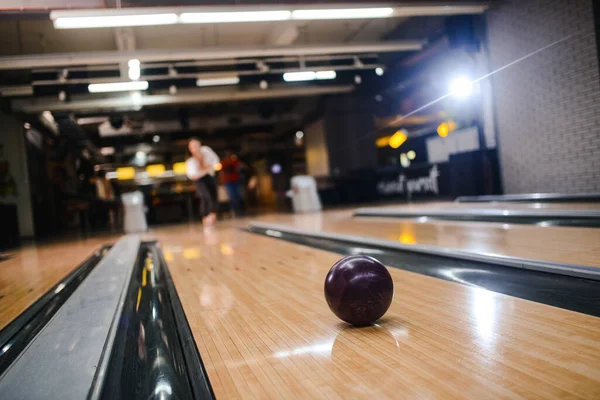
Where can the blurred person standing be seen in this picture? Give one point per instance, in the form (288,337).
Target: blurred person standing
(232,181)
(200,168)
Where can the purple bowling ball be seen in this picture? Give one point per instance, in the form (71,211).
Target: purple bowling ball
(359,289)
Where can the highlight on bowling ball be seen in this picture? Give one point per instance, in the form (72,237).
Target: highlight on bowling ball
(359,289)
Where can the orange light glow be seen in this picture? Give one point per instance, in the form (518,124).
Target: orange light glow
(398,139)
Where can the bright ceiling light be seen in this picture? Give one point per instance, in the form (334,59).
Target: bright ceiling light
(117,87)
(461,87)
(299,134)
(404,161)
(301,76)
(344,13)
(110,21)
(325,75)
(379,71)
(229,80)
(136,98)
(220,17)
(134,69)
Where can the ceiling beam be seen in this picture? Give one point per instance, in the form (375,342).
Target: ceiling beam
(127,102)
(283,34)
(204,75)
(27,5)
(125,40)
(214,53)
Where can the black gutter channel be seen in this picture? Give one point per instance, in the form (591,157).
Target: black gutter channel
(154,354)
(591,222)
(570,293)
(16,336)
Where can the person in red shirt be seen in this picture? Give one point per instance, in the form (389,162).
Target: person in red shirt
(231,179)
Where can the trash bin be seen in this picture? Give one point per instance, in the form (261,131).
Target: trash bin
(304,194)
(134,219)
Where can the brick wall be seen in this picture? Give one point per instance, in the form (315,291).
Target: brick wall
(548,105)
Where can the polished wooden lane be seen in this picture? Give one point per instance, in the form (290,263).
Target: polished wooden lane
(264,330)
(33,269)
(556,244)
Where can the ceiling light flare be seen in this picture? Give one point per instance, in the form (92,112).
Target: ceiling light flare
(343,13)
(110,21)
(461,87)
(302,76)
(117,87)
(221,17)
(229,80)
(379,71)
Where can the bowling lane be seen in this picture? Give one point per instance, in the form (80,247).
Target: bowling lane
(33,269)
(263,329)
(555,244)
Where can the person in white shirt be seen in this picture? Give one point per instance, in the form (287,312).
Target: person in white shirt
(200,168)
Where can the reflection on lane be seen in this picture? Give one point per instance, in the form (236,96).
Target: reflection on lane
(484,310)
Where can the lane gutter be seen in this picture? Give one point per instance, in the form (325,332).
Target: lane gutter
(15,336)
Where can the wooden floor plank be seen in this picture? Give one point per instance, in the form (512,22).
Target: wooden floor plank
(257,312)
(259,302)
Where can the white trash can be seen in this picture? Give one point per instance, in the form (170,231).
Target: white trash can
(134,219)
(304,194)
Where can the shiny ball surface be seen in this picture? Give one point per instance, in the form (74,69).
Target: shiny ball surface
(359,289)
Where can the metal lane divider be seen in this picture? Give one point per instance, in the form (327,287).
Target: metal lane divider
(16,336)
(532,197)
(542,217)
(63,359)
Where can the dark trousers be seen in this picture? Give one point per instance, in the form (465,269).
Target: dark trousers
(234,191)
(206,190)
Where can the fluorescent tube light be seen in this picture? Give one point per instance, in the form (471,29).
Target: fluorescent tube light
(230,80)
(308,76)
(115,21)
(344,13)
(325,75)
(117,87)
(248,16)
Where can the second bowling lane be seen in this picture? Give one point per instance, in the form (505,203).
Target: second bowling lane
(263,328)
(32,270)
(570,245)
